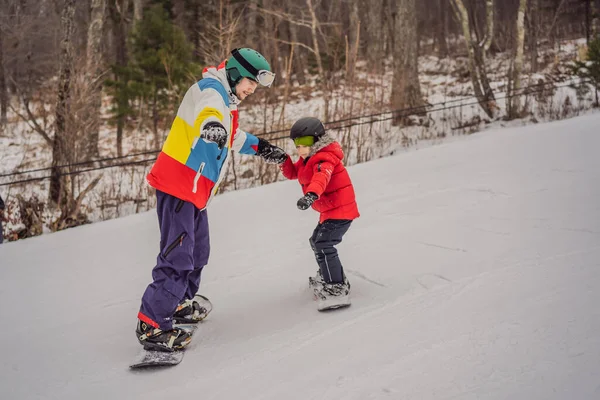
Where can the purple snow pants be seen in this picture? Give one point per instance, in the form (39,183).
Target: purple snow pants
(184,251)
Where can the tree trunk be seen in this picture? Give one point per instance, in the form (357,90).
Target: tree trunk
(594,19)
(3,88)
(299,65)
(155,120)
(353,37)
(138,11)
(514,103)
(482,49)
(479,79)
(314,37)
(534,27)
(60,148)
(442,29)
(376,36)
(195,27)
(406,89)
(489,17)
(94,73)
(119,33)
(251,32)
(315,42)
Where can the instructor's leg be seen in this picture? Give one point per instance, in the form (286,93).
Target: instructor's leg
(201,252)
(174,262)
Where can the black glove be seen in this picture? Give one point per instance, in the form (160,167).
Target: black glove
(214,132)
(271,153)
(306,200)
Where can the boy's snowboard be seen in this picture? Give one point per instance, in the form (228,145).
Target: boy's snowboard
(333,303)
(157,358)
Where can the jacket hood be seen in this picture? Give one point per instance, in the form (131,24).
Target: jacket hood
(328,144)
(220,74)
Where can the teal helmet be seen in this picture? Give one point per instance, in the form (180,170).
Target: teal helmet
(248,63)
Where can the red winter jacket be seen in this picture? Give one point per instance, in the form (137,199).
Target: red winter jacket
(324,174)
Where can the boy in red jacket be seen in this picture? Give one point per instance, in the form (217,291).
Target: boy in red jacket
(328,189)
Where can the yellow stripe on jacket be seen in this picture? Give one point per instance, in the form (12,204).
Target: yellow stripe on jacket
(182,135)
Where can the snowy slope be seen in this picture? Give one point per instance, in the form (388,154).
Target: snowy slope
(475,268)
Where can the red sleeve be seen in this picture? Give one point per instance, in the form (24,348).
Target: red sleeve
(321,176)
(288,169)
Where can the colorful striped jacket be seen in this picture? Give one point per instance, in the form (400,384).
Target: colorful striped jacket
(191,168)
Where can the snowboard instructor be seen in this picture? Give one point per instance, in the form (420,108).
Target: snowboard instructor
(186,176)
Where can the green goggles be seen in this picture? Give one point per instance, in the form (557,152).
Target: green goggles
(304,141)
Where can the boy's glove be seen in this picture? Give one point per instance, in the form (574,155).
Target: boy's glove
(214,132)
(270,153)
(306,200)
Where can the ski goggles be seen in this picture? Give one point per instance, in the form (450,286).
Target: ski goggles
(264,77)
(304,141)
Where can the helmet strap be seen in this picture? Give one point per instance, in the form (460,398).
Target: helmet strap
(233,80)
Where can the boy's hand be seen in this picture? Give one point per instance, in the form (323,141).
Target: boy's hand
(214,132)
(271,153)
(306,200)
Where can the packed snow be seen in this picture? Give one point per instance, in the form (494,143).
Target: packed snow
(475,268)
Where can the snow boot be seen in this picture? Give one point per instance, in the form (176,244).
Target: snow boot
(317,281)
(155,339)
(330,295)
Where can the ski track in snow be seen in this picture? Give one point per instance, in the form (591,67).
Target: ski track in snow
(418,304)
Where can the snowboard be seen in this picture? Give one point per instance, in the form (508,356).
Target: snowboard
(156,358)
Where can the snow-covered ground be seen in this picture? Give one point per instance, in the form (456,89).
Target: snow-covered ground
(475,269)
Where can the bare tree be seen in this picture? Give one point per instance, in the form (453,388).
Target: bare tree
(3,87)
(475,49)
(195,27)
(376,31)
(314,27)
(60,148)
(94,72)
(138,10)
(514,79)
(253,29)
(552,26)
(406,89)
(353,38)
(595,18)
(591,19)
(442,28)
(300,65)
(533,19)
(489,18)
(117,11)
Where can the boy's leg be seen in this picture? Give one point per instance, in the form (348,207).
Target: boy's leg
(201,252)
(323,241)
(174,262)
